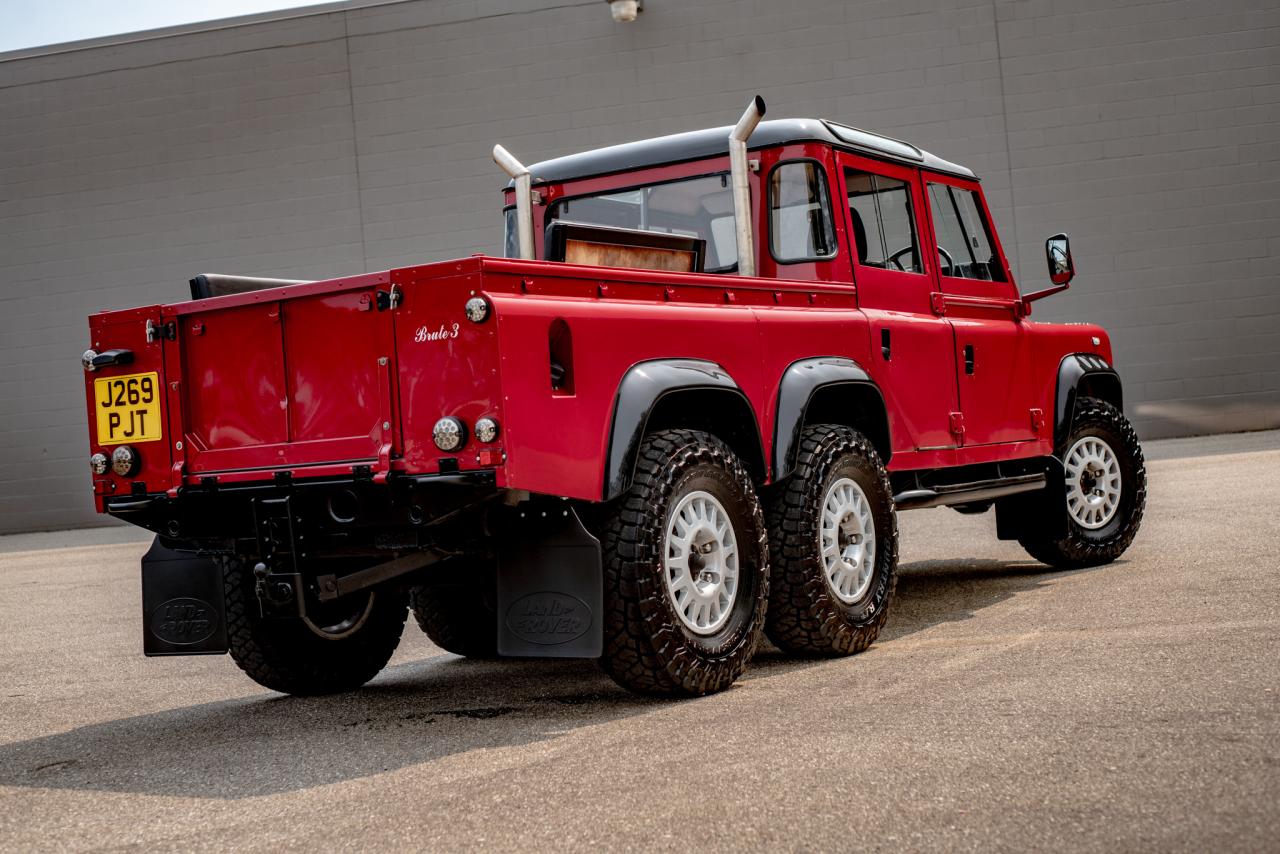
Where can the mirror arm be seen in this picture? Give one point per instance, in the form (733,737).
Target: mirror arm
(1047,292)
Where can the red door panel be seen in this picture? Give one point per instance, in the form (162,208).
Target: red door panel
(996,379)
(913,348)
(977,294)
(918,375)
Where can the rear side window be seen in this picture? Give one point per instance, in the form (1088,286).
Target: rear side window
(964,236)
(510,235)
(800,213)
(694,207)
(884,228)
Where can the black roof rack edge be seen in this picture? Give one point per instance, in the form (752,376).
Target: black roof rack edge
(712,142)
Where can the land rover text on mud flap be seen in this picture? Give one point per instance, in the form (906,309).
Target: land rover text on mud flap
(682,412)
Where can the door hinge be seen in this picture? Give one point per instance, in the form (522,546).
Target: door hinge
(1037,420)
(389,299)
(957,423)
(938,302)
(157,331)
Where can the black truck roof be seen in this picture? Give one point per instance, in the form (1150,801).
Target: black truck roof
(695,145)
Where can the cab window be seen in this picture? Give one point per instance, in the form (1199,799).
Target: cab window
(800,214)
(510,234)
(884,229)
(964,236)
(695,207)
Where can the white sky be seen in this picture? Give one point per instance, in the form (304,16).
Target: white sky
(32,23)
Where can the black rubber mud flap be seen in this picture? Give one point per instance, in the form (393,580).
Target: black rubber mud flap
(182,608)
(1044,510)
(550,586)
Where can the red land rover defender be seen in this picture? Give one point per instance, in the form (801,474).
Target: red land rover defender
(684,410)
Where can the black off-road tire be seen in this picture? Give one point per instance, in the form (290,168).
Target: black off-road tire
(1082,547)
(459,614)
(289,656)
(805,616)
(647,647)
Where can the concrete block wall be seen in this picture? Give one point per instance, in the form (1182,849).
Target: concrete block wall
(356,137)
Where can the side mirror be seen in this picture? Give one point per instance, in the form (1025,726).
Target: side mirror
(1057,250)
(1062,270)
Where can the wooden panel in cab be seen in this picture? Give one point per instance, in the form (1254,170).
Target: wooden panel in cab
(636,257)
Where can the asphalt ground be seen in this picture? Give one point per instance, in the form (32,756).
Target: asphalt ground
(1005,708)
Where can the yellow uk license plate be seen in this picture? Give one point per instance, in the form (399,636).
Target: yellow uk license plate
(128,408)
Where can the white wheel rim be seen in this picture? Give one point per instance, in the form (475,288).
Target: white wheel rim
(700,563)
(847,541)
(1093,482)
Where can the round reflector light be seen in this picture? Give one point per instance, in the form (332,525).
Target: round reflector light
(124,461)
(449,434)
(486,430)
(477,309)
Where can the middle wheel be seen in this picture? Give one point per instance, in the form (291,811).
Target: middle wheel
(459,612)
(685,561)
(833,541)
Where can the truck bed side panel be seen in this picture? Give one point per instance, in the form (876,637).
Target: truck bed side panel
(563,438)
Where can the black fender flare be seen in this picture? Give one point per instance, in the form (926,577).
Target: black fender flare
(800,382)
(1072,370)
(639,392)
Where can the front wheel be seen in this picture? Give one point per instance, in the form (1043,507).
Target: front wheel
(338,646)
(1105,490)
(685,561)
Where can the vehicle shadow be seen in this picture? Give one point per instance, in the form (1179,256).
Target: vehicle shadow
(421,711)
(934,592)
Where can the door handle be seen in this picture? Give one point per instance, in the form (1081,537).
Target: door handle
(886,349)
(968,358)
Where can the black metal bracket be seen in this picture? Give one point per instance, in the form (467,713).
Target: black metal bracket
(274,523)
(385,300)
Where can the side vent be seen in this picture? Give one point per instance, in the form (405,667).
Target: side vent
(560,348)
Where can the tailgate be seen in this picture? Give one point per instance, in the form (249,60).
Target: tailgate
(288,377)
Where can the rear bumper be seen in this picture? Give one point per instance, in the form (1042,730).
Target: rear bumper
(350,515)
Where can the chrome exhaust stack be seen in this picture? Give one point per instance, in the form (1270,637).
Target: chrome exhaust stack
(524,198)
(739,166)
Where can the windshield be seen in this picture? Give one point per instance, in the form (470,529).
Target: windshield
(695,207)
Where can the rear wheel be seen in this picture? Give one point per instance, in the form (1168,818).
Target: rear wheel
(685,560)
(833,543)
(338,646)
(459,614)
(1105,490)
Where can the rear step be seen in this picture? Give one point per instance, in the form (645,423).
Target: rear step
(966,493)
